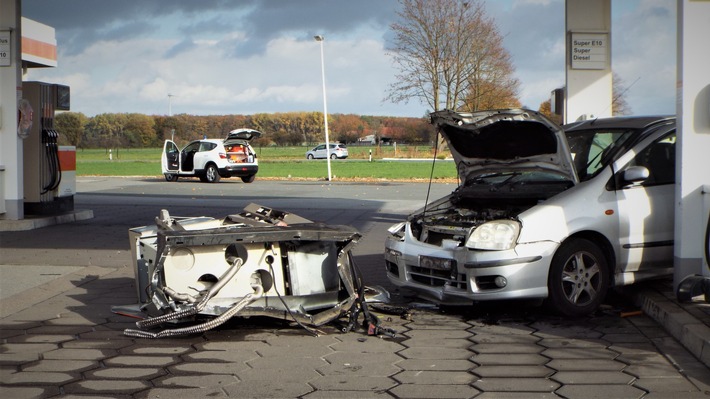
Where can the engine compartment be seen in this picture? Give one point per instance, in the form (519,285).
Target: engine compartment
(453,217)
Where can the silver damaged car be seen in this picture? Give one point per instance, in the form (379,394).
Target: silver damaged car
(542,212)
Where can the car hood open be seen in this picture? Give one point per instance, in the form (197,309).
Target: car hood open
(504,140)
(244,134)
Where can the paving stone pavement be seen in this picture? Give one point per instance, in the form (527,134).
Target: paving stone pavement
(59,339)
(70,345)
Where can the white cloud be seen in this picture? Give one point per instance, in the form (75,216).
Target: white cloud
(249,60)
(644,55)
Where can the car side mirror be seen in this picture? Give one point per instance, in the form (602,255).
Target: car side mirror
(636,174)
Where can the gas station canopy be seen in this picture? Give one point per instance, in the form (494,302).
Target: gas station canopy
(39,45)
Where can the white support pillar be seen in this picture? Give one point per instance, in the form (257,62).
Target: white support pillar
(11,180)
(588,59)
(693,149)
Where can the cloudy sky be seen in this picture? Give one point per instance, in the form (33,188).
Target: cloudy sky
(253,56)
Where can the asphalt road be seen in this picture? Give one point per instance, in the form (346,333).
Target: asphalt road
(122,203)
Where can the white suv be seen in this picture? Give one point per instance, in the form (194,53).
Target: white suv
(210,159)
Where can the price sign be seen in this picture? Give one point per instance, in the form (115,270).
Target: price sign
(589,51)
(5,48)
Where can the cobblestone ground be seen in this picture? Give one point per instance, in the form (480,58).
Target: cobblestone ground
(71,345)
(60,339)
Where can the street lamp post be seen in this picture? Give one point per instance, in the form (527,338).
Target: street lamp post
(170,113)
(170,104)
(320,38)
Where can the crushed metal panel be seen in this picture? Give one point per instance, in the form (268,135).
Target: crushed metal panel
(258,262)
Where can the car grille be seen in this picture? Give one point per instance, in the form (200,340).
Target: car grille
(436,278)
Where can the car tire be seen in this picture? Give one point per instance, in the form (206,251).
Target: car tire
(172,177)
(248,179)
(309,156)
(579,278)
(333,156)
(211,174)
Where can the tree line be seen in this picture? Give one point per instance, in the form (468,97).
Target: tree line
(134,130)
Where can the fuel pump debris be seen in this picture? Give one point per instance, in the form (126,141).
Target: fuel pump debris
(195,273)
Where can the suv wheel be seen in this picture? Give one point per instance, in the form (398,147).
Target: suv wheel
(211,174)
(248,179)
(333,156)
(171,177)
(578,279)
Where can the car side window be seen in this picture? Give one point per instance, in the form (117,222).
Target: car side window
(659,159)
(320,147)
(601,142)
(592,149)
(207,146)
(192,147)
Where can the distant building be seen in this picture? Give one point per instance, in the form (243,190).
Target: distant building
(369,139)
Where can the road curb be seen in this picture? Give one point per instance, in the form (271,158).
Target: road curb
(44,221)
(692,333)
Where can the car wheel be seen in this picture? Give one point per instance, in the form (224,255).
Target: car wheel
(309,156)
(248,179)
(211,174)
(578,279)
(333,156)
(171,177)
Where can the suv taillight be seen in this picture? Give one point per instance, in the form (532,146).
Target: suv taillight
(222,155)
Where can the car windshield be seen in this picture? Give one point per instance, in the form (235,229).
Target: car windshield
(592,150)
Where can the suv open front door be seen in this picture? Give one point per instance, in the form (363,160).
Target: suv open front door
(170,160)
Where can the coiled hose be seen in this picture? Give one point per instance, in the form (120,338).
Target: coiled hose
(200,328)
(223,280)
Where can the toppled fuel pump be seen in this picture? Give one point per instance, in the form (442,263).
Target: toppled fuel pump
(260,262)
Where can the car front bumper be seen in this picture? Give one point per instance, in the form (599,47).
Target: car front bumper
(522,271)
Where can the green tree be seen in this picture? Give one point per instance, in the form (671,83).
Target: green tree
(70,126)
(140,128)
(105,130)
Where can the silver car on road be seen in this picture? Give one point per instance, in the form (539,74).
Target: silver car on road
(335,151)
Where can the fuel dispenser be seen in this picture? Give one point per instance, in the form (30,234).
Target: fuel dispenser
(42,166)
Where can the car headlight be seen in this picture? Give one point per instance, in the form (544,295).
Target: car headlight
(397,229)
(495,235)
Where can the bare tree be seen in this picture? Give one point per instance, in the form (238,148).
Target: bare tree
(449,54)
(492,83)
(619,105)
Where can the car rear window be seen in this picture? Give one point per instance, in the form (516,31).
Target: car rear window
(207,146)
